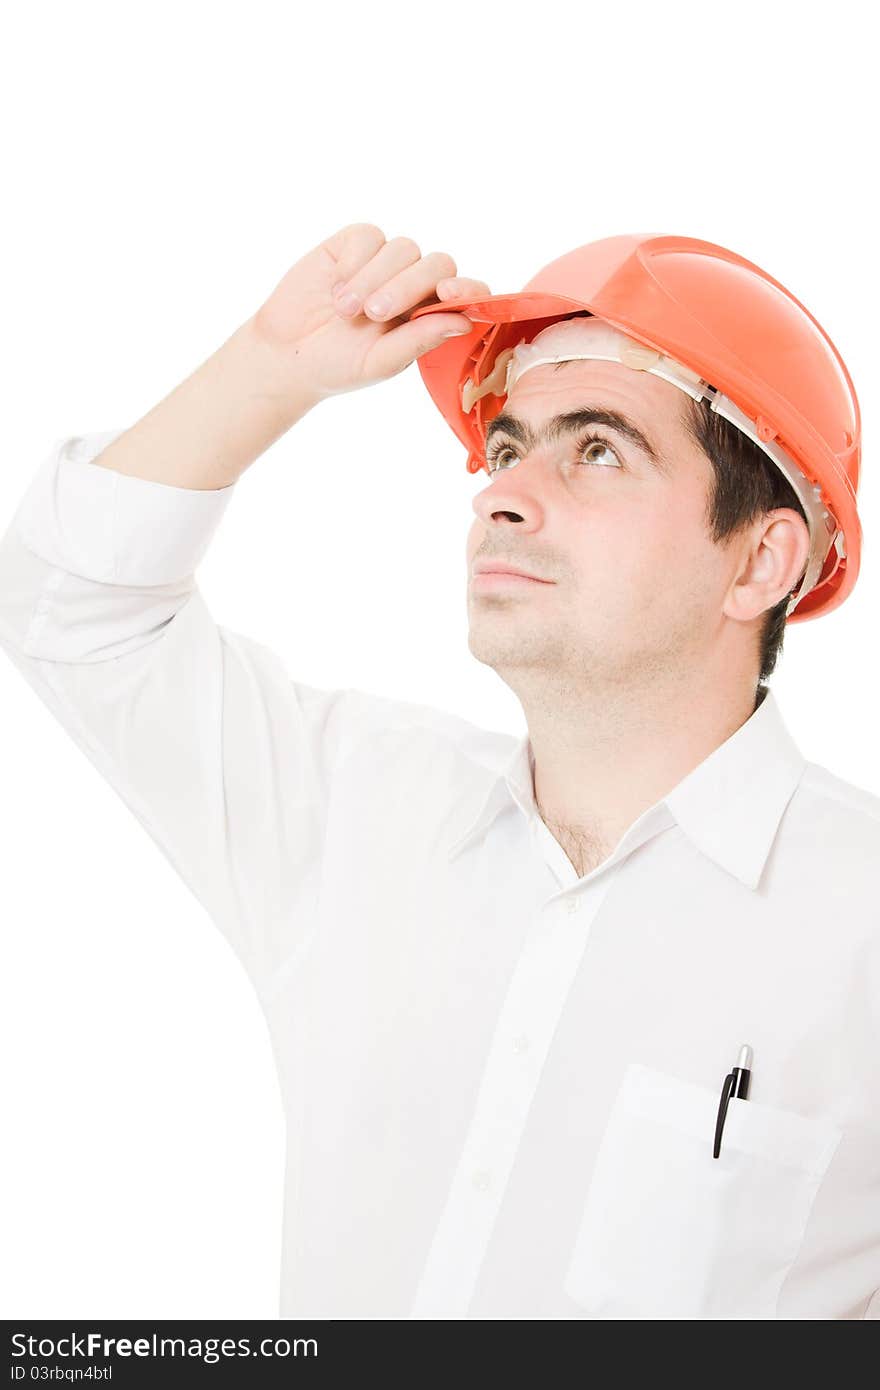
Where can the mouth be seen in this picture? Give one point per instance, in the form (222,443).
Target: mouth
(487,567)
(499,577)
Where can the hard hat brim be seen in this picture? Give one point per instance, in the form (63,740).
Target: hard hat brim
(506,308)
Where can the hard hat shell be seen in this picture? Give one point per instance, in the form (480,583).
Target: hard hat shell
(716,313)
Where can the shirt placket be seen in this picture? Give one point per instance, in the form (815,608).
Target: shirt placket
(544,973)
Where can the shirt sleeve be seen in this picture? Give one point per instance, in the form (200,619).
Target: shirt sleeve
(223,758)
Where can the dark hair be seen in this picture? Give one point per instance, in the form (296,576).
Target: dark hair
(746,485)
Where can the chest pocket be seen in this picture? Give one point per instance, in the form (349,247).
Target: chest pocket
(667,1230)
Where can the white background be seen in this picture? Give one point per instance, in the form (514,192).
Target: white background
(163,167)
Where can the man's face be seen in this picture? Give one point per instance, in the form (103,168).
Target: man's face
(637,583)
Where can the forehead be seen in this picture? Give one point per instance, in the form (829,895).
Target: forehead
(648,397)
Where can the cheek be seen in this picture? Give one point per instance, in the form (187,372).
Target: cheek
(474,540)
(674,563)
(646,554)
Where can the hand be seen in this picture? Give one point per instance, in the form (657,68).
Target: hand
(332,348)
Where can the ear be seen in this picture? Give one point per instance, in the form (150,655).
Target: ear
(773,559)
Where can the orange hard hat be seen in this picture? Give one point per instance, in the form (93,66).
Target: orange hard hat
(749,340)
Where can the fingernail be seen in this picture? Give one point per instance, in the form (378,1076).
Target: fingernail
(379,304)
(348,302)
(457,332)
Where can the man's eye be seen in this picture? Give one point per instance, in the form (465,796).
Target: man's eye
(603,447)
(495,462)
(589,449)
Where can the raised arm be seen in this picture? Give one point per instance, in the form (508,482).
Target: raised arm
(223,758)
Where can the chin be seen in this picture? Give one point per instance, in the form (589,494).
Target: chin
(491,644)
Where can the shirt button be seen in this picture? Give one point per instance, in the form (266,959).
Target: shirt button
(481,1179)
(572,904)
(521,1044)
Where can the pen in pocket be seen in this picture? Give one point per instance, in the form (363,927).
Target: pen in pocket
(736,1083)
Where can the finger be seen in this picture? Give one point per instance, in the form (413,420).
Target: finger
(397,347)
(460,287)
(412,286)
(385,267)
(353,247)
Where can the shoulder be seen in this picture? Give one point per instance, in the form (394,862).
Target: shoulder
(428,764)
(838,823)
(825,791)
(426,732)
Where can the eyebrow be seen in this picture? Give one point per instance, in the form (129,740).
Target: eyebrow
(558,426)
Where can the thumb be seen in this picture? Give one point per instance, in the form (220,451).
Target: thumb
(402,345)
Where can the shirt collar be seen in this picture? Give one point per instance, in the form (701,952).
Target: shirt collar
(729,805)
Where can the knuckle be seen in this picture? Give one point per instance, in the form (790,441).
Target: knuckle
(361,241)
(407,245)
(368,228)
(442,261)
(357,243)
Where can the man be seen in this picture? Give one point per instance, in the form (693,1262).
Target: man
(580,1025)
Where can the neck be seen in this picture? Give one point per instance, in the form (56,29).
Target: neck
(602,759)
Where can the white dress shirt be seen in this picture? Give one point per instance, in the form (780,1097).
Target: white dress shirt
(500,1078)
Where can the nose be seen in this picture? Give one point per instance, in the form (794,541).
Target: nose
(511,496)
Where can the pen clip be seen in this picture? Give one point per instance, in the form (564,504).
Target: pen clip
(722,1111)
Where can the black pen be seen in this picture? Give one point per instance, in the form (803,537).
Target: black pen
(736,1083)
(742,1073)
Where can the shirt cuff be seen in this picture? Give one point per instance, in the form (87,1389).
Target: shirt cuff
(110,527)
